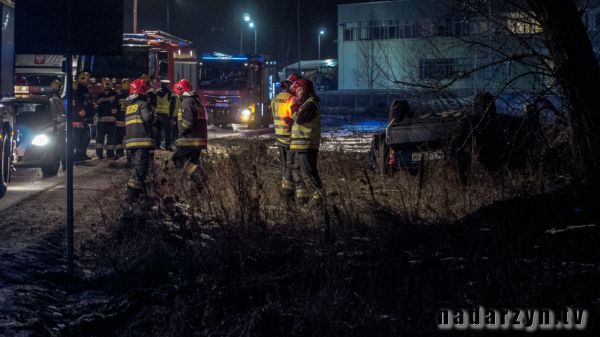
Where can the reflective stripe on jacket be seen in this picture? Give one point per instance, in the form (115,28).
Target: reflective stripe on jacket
(107,107)
(281,106)
(138,125)
(162,104)
(307,135)
(192,123)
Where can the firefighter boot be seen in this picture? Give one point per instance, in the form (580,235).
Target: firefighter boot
(302,197)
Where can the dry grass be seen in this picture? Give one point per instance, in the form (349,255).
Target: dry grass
(385,252)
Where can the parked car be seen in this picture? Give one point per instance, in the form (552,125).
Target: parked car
(40,134)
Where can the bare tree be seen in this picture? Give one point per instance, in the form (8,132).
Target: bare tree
(577,72)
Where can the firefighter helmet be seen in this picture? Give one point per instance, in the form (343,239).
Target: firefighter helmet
(139,87)
(182,86)
(294,77)
(56,84)
(125,83)
(83,77)
(106,83)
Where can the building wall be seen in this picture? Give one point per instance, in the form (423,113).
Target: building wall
(419,44)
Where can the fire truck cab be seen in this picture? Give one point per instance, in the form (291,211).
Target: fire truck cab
(236,89)
(160,55)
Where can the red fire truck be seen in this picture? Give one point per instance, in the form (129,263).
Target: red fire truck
(160,55)
(236,89)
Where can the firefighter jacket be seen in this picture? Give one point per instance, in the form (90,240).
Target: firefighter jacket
(192,123)
(107,107)
(306,131)
(123,104)
(81,107)
(163,102)
(281,106)
(139,117)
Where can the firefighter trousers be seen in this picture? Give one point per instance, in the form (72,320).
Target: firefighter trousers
(165,133)
(81,139)
(141,160)
(104,137)
(189,161)
(117,140)
(306,174)
(287,166)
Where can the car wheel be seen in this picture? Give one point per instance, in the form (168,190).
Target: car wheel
(5,162)
(52,168)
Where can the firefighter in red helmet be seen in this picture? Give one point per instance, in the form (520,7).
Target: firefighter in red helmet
(193,132)
(305,142)
(139,118)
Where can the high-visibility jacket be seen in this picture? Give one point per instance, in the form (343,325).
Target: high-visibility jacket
(192,124)
(138,125)
(123,104)
(307,135)
(281,106)
(163,104)
(107,107)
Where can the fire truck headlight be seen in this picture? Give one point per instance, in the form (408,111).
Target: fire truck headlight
(40,140)
(245,114)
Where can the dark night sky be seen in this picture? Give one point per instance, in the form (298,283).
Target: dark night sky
(214,25)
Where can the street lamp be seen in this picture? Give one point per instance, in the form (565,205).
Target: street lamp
(321,32)
(253,26)
(246,19)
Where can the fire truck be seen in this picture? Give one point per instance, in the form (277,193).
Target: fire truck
(7,115)
(236,89)
(36,72)
(160,55)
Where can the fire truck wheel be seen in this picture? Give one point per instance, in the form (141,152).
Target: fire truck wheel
(5,162)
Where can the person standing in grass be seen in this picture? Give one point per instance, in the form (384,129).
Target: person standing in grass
(305,142)
(281,107)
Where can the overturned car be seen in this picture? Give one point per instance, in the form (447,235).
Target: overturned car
(495,140)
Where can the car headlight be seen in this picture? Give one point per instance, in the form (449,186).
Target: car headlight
(40,140)
(245,115)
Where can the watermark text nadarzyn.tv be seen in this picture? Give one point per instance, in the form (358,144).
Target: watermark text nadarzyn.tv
(480,318)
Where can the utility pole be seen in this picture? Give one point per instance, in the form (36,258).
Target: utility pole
(135,15)
(299,53)
(168,16)
(70,145)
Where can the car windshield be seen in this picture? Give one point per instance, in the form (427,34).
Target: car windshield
(132,63)
(223,75)
(33,114)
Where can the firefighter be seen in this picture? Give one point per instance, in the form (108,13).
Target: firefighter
(106,112)
(56,86)
(139,118)
(282,116)
(84,113)
(193,133)
(80,130)
(176,101)
(305,142)
(164,111)
(119,132)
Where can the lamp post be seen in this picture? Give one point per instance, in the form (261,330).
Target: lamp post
(321,32)
(246,19)
(253,26)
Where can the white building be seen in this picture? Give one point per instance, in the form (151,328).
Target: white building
(424,44)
